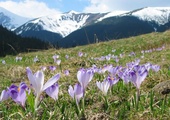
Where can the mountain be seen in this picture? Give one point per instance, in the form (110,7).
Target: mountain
(159,15)
(140,21)
(12,44)
(10,20)
(60,24)
(108,29)
(73,28)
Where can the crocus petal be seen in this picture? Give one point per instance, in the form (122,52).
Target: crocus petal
(84,77)
(31,77)
(112,80)
(103,86)
(58,62)
(51,81)
(23,85)
(79,92)
(71,91)
(18,96)
(137,77)
(141,78)
(67,72)
(4,95)
(22,97)
(133,78)
(79,75)
(39,75)
(14,87)
(155,68)
(52,91)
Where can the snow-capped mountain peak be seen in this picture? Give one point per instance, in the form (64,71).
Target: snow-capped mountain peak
(111,14)
(63,24)
(72,12)
(11,20)
(160,15)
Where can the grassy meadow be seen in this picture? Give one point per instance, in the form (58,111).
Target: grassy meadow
(122,104)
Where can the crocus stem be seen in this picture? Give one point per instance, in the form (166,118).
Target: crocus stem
(138,95)
(106,102)
(83,99)
(137,98)
(36,102)
(79,112)
(83,106)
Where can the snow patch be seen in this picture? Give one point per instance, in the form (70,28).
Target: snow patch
(15,20)
(160,15)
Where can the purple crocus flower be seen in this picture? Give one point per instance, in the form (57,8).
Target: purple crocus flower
(53,91)
(55,57)
(124,75)
(112,80)
(18,94)
(76,92)
(80,54)
(132,54)
(52,68)
(103,86)
(94,68)
(66,56)
(102,58)
(114,70)
(84,77)
(36,59)
(105,68)
(43,68)
(138,75)
(66,72)
(37,82)
(155,68)
(131,65)
(148,66)
(108,57)
(58,62)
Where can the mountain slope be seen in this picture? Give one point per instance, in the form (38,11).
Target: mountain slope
(159,15)
(110,28)
(56,27)
(132,23)
(62,24)
(11,20)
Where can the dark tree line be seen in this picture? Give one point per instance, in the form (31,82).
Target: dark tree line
(12,44)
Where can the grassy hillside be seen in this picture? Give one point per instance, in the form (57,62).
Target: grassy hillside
(153,48)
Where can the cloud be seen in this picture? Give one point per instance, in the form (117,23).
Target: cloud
(98,6)
(28,8)
(110,5)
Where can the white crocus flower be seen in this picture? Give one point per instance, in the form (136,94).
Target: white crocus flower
(37,82)
(103,86)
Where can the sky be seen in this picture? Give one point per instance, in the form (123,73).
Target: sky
(37,8)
